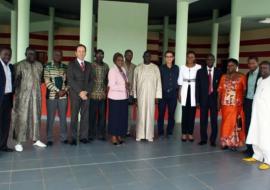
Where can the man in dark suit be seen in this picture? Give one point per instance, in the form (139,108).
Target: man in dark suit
(252,78)
(207,81)
(78,80)
(6,96)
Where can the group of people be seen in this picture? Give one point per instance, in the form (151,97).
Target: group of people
(91,86)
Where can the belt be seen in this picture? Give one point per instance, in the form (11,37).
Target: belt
(8,94)
(189,80)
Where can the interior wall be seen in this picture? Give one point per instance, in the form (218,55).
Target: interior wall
(253,42)
(122,26)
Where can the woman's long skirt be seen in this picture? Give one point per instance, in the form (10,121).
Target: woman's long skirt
(118,117)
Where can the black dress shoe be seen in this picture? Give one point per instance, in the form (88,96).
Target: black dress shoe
(73,142)
(91,139)
(102,138)
(248,153)
(202,143)
(225,148)
(84,141)
(128,135)
(121,142)
(213,144)
(65,142)
(49,143)
(6,149)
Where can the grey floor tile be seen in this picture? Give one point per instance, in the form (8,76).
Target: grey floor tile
(22,176)
(74,160)
(164,164)
(120,178)
(57,174)
(186,183)
(5,165)
(147,175)
(26,164)
(30,185)
(93,181)
(4,186)
(65,184)
(85,170)
(137,165)
(53,162)
(113,168)
(101,158)
(5,177)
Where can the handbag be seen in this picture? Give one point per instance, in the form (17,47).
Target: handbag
(131,100)
(239,122)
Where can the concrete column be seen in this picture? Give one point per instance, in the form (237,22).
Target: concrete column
(51,34)
(23,28)
(235,33)
(94,33)
(13,33)
(86,25)
(214,40)
(165,36)
(181,41)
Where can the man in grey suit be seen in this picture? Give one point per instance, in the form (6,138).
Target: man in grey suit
(78,76)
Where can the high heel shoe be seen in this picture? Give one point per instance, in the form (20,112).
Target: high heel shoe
(184,138)
(120,141)
(190,138)
(114,140)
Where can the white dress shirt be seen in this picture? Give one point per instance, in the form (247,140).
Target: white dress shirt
(212,74)
(8,87)
(187,76)
(80,62)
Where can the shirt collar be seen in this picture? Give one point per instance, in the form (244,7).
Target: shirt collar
(256,71)
(166,66)
(208,68)
(80,61)
(54,63)
(4,63)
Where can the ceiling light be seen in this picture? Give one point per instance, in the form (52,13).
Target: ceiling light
(265,21)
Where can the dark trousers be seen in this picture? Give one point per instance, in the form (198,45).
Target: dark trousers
(5,118)
(162,105)
(248,112)
(79,106)
(97,118)
(53,106)
(118,117)
(210,105)
(188,116)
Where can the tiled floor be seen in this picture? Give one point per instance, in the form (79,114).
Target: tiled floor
(166,164)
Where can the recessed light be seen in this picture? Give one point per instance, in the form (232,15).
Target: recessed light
(265,21)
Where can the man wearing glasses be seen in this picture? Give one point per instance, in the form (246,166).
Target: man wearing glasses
(169,74)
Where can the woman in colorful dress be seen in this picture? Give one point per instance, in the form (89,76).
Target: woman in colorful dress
(231,90)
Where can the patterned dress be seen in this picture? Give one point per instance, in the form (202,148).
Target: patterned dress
(231,92)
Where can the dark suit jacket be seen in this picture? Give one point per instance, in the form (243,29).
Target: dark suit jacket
(259,75)
(77,79)
(202,85)
(3,80)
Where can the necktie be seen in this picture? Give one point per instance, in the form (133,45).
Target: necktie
(210,87)
(82,66)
